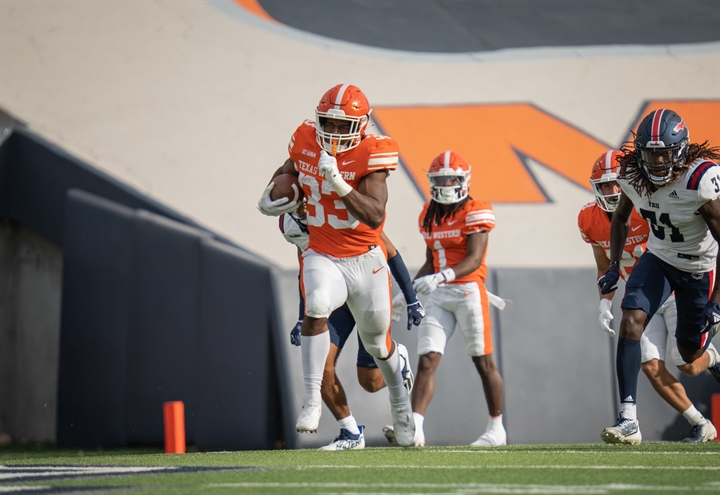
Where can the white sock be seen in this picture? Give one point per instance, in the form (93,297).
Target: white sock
(349,424)
(315,349)
(714,356)
(419,420)
(628,410)
(495,424)
(693,416)
(391,369)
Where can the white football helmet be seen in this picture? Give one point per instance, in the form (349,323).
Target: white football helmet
(605,170)
(449,178)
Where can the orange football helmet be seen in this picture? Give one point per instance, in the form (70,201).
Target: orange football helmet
(605,170)
(343,102)
(449,177)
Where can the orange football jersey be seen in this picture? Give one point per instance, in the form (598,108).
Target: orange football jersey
(449,240)
(333,230)
(594,227)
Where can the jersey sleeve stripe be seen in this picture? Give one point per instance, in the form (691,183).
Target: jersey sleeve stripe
(697,175)
(382,161)
(480,222)
(390,153)
(480,216)
(282,223)
(480,212)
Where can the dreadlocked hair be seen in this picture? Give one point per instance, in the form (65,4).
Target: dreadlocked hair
(631,170)
(435,213)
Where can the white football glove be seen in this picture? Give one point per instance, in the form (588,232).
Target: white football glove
(328,167)
(425,285)
(606,316)
(398,307)
(496,301)
(275,208)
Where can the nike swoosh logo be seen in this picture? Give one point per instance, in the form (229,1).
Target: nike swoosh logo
(450,223)
(377,270)
(635,228)
(466,293)
(347,162)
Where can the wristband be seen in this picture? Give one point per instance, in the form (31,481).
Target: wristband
(448,274)
(341,187)
(614,264)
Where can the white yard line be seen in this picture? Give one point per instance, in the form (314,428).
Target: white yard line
(469,488)
(671,468)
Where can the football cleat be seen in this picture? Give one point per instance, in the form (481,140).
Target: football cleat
(347,440)
(309,419)
(704,432)
(715,372)
(491,439)
(625,431)
(403,421)
(390,434)
(407,374)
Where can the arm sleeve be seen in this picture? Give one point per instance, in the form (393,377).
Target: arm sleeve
(301,314)
(402,277)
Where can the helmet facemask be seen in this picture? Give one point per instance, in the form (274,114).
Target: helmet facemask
(606,202)
(658,160)
(345,141)
(449,186)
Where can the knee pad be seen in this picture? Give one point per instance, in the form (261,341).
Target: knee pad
(318,304)
(375,343)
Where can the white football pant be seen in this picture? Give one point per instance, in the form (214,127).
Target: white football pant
(464,305)
(364,282)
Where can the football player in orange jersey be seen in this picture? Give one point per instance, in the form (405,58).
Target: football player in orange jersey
(455,228)
(659,335)
(343,173)
(341,324)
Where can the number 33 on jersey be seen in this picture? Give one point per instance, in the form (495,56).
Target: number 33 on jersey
(333,230)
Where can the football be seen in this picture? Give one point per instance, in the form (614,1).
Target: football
(286,186)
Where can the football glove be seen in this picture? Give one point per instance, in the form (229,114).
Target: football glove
(295,333)
(608,282)
(416,313)
(606,316)
(327,165)
(398,306)
(497,301)
(425,285)
(711,317)
(275,208)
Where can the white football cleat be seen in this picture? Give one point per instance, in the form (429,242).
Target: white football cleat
(626,431)
(491,438)
(309,419)
(347,441)
(704,432)
(403,421)
(407,374)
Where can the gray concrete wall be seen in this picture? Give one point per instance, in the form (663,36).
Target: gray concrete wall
(30,288)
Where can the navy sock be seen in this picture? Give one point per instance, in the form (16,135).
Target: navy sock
(628,368)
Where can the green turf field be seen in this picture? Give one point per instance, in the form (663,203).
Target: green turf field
(583,469)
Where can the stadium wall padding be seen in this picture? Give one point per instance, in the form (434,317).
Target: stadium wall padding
(154,307)
(153,311)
